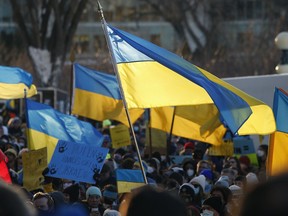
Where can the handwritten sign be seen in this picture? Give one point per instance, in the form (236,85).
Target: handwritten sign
(76,161)
(34,162)
(225,149)
(120,136)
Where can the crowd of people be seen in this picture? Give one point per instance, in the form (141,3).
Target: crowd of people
(200,184)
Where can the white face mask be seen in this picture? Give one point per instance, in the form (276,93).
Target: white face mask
(207,213)
(150,169)
(260,153)
(190,172)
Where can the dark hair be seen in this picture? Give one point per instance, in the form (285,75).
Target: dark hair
(267,198)
(151,201)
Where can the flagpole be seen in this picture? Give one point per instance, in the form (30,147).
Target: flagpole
(170,134)
(121,89)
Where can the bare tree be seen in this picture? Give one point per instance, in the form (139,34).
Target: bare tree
(198,24)
(47,28)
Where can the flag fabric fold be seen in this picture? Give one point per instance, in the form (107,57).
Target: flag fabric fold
(46,126)
(13,83)
(128,179)
(154,77)
(278,143)
(96,95)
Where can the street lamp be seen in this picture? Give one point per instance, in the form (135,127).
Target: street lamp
(281,42)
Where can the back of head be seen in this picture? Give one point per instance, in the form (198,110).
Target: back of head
(13,202)
(268,198)
(150,201)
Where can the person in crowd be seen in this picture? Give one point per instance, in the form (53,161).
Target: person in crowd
(187,194)
(225,195)
(93,201)
(188,149)
(262,153)
(203,164)
(152,201)
(110,197)
(267,198)
(14,202)
(44,204)
(72,193)
(189,167)
(212,206)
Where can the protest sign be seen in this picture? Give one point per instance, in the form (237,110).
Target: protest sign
(34,162)
(76,161)
(120,136)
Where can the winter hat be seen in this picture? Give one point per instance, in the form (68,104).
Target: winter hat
(244,159)
(215,202)
(92,190)
(207,173)
(189,145)
(200,180)
(187,188)
(236,190)
(223,181)
(110,212)
(11,151)
(252,178)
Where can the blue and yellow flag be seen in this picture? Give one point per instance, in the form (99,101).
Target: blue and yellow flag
(14,82)
(128,179)
(193,122)
(154,77)
(96,95)
(278,143)
(46,126)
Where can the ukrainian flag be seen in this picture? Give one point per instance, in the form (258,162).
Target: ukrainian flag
(205,126)
(14,81)
(96,95)
(154,77)
(128,179)
(278,143)
(46,126)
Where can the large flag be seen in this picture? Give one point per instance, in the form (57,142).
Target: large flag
(14,82)
(278,145)
(154,77)
(96,95)
(182,121)
(46,126)
(128,179)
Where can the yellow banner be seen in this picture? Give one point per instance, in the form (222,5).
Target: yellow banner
(120,136)
(226,149)
(34,162)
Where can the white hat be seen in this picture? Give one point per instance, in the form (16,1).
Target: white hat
(252,178)
(236,190)
(200,180)
(223,181)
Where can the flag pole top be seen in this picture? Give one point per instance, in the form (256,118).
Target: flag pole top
(100,10)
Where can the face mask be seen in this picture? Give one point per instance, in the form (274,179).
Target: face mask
(190,172)
(260,153)
(207,213)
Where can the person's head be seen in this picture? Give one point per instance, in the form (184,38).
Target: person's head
(187,193)
(212,206)
(203,164)
(223,192)
(93,195)
(230,174)
(189,168)
(267,198)
(13,201)
(110,195)
(152,201)
(43,202)
(71,193)
(262,153)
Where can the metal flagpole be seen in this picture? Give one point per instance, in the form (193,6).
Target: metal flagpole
(104,26)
